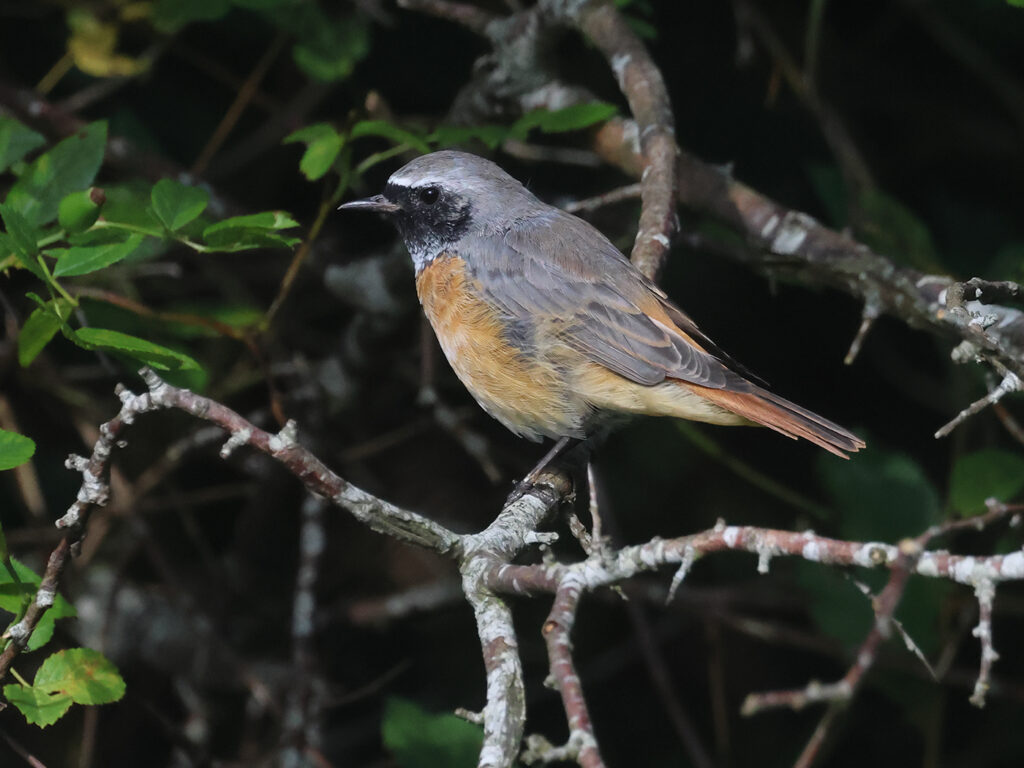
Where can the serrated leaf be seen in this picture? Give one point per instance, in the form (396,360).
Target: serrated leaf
(41,326)
(571,118)
(83,259)
(16,141)
(323,144)
(981,474)
(22,238)
(85,675)
(269,220)
(176,204)
(257,230)
(15,449)
(390,132)
(147,352)
(232,240)
(70,166)
(129,205)
(38,707)
(419,739)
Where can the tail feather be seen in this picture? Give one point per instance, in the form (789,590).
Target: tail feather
(764,407)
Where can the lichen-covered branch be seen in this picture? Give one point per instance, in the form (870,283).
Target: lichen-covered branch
(644,87)
(557,634)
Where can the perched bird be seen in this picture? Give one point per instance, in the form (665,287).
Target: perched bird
(553,330)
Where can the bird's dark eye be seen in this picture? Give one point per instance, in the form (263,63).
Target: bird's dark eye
(429,195)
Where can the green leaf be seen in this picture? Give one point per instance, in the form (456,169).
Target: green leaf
(390,132)
(176,204)
(70,166)
(128,205)
(76,675)
(490,136)
(894,230)
(82,259)
(15,594)
(85,675)
(41,326)
(269,220)
(888,225)
(38,707)
(831,191)
(571,118)
(172,15)
(882,495)
(838,608)
(15,449)
(79,210)
(258,230)
(979,475)
(418,739)
(21,239)
(16,141)
(329,48)
(323,144)
(147,352)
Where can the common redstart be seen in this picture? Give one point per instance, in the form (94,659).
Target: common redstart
(553,330)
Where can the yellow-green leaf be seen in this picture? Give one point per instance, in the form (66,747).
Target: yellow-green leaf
(85,675)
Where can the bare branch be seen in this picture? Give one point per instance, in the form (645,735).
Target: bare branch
(557,631)
(644,87)
(1010,383)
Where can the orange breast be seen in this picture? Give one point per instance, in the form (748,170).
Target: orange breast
(526,393)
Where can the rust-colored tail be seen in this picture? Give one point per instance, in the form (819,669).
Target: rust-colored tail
(763,407)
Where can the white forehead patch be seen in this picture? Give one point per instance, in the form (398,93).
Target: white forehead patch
(413,178)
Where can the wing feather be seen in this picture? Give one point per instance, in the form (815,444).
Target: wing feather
(557,266)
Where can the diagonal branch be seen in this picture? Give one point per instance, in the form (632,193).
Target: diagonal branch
(582,746)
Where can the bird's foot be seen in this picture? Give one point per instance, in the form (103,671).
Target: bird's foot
(521,488)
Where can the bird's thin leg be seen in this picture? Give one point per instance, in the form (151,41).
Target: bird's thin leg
(563,445)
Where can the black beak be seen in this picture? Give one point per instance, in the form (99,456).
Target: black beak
(377,203)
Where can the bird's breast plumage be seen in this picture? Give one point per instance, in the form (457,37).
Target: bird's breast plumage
(496,356)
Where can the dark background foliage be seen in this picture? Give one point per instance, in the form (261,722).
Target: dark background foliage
(189,587)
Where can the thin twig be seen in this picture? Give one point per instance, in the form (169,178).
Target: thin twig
(591,204)
(557,632)
(241,101)
(1010,383)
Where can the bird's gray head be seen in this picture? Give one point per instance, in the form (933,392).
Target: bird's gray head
(438,199)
